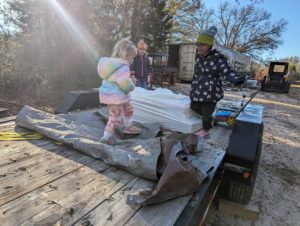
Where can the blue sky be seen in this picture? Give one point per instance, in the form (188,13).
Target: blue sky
(288,10)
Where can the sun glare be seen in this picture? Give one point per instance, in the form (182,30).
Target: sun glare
(81,35)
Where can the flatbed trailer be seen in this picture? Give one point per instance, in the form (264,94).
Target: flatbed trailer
(46,183)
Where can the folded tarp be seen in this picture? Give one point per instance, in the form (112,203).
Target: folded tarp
(146,156)
(172,111)
(137,156)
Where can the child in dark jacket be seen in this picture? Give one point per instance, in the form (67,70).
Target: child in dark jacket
(211,69)
(140,68)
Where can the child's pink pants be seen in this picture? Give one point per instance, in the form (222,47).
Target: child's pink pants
(115,114)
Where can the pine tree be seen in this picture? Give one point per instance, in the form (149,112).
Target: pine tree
(155,25)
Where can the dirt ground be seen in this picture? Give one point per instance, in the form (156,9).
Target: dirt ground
(277,189)
(15,104)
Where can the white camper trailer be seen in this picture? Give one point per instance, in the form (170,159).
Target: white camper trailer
(183,57)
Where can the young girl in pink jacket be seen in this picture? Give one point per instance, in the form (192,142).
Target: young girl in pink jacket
(115,88)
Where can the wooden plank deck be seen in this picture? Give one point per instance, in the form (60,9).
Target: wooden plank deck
(44,183)
(7,119)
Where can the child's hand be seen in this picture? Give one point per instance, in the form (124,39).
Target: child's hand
(149,81)
(134,80)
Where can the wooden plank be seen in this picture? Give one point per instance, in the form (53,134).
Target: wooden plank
(10,127)
(50,195)
(12,151)
(21,150)
(76,196)
(196,209)
(161,214)
(115,211)
(14,145)
(8,119)
(10,146)
(244,211)
(165,213)
(62,203)
(25,176)
(7,126)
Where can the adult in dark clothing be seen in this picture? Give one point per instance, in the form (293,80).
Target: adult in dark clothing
(211,69)
(140,68)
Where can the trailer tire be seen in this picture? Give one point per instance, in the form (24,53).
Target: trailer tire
(287,88)
(263,84)
(239,192)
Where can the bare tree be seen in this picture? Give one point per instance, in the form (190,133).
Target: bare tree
(201,20)
(184,18)
(248,29)
(254,1)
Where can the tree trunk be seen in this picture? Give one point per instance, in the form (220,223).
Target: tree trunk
(136,20)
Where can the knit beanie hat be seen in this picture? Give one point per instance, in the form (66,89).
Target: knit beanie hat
(207,36)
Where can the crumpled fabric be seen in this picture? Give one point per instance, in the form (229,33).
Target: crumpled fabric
(177,175)
(164,159)
(136,156)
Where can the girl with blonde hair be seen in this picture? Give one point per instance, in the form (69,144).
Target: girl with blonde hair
(115,88)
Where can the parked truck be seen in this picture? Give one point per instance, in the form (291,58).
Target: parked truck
(182,56)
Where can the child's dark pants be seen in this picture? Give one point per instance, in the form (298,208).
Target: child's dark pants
(205,109)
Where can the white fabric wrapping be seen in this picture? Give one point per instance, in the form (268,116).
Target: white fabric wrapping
(172,111)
